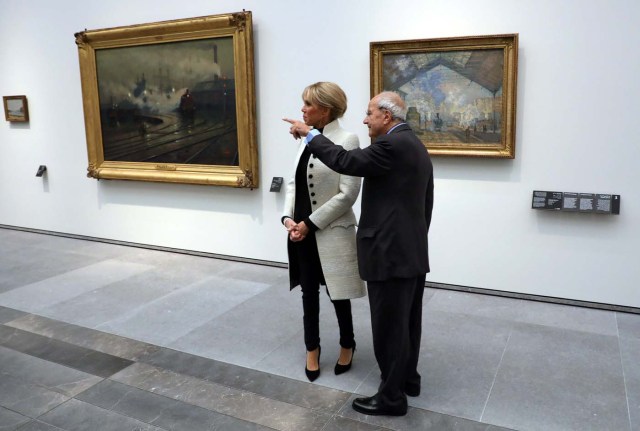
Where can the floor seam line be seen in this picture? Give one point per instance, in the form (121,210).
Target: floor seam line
(624,375)
(484,408)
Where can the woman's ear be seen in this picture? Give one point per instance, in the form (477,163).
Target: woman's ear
(326,113)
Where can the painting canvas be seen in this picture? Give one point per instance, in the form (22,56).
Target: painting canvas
(459,92)
(171,101)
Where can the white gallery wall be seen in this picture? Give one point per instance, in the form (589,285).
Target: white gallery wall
(576,130)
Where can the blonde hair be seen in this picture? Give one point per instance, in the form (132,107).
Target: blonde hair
(327,95)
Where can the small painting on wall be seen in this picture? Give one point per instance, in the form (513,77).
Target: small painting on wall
(16,109)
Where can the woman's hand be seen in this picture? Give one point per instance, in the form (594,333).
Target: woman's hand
(293,229)
(303,229)
(297,231)
(289,224)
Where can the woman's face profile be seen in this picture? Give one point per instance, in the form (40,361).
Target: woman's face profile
(314,115)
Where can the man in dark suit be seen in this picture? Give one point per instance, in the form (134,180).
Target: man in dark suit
(397,201)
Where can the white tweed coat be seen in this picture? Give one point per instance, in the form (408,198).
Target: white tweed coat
(332,213)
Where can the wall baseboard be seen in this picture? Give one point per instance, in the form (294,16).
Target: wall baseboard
(434,285)
(538,298)
(148,246)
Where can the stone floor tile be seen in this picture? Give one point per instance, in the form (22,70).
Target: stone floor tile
(268,385)
(49,375)
(274,311)
(27,399)
(628,325)
(170,317)
(80,358)
(338,423)
(460,356)
(54,290)
(242,405)
(91,339)
(75,415)
(518,310)
(257,273)
(415,419)
(557,379)
(36,425)
(9,314)
(160,411)
(10,420)
(493,307)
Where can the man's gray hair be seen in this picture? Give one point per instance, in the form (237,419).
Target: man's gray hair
(391,101)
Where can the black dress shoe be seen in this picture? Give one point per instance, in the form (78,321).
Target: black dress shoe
(339,368)
(312,375)
(371,406)
(412,390)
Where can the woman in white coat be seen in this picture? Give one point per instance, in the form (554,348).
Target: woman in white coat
(319,218)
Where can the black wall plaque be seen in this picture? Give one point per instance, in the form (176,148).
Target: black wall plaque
(41,170)
(276,184)
(576,202)
(546,200)
(615,204)
(602,204)
(570,201)
(586,202)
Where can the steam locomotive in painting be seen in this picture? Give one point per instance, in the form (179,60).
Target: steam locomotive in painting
(216,96)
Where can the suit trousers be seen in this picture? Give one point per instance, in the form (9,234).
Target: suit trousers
(396,324)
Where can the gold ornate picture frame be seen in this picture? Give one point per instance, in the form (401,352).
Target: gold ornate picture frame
(460,92)
(16,109)
(171,101)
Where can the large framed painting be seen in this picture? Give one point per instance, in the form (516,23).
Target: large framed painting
(171,101)
(460,92)
(16,109)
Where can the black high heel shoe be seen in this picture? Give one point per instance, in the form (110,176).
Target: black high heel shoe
(339,368)
(312,375)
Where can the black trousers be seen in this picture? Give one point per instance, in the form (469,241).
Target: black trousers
(307,267)
(311,317)
(396,324)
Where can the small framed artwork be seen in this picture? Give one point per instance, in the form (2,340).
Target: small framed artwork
(171,101)
(16,109)
(460,92)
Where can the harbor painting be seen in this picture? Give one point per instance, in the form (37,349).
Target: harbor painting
(171,101)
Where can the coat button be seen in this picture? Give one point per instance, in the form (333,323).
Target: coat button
(311,185)
(313,193)
(311,165)
(314,202)
(314,156)
(310,176)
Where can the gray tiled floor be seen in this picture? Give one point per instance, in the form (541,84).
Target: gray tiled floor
(98,336)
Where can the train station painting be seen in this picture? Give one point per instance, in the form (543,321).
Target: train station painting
(460,92)
(171,101)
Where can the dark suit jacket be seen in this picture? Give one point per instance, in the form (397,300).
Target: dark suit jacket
(397,201)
